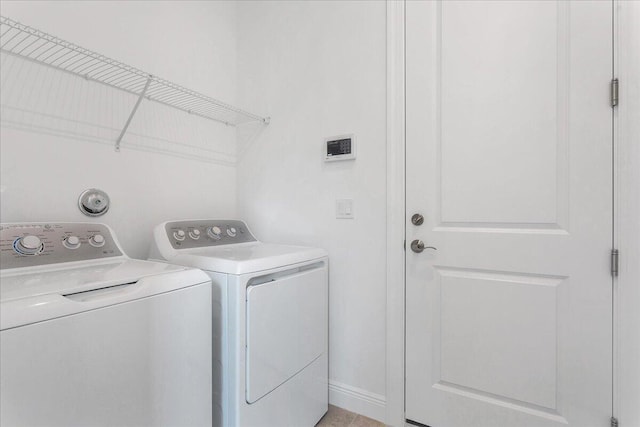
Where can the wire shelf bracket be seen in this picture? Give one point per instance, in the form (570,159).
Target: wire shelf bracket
(133,113)
(39,47)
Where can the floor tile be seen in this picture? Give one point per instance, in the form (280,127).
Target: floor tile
(337,417)
(362,421)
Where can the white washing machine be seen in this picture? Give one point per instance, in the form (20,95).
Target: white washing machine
(90,337)
(270,321)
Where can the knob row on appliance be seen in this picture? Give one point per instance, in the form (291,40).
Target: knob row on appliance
(33,245)
(73,242)
(213,232)
(201,233)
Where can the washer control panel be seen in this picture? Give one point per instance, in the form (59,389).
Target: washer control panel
(203,233)
(29,245)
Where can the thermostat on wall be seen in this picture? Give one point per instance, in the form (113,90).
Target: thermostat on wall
(341,147)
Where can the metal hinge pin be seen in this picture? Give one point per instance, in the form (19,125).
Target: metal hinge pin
(614,262)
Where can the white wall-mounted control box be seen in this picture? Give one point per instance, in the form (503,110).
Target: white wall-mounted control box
(341,147)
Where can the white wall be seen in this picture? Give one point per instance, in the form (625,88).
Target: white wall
(190,43)
(319,69)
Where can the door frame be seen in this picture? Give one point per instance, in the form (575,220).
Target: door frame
(626,288)
(396,197)
(626,140)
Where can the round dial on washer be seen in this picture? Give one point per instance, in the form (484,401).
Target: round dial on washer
(179,235)
(71,242)
(231,232)
(214,232)
(194,234)
(28,245)
(97,240)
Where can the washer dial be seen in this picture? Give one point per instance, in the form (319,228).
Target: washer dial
(71,242)
(194,234)
(28,245)
(97,240)
(231,232)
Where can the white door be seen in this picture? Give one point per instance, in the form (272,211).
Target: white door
(509,153)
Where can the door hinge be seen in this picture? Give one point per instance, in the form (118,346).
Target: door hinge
(614,92)
(614,262)
(614,422)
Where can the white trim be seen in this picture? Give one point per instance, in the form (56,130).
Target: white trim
(627,214)
(395,214)
(357,400)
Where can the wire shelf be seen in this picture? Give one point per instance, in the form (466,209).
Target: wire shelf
(34,45)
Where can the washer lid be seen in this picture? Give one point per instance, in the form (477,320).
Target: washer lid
(76,279)
(33,296)
(246,257)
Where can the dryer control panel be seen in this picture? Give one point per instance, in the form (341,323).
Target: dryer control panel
(203,233)
(33,244)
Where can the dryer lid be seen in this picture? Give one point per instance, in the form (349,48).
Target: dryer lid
(246,257)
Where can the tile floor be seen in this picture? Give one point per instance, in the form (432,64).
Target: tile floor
(338,417)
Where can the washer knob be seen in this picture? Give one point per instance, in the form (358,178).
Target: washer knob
(179,235)
(194,234)
(71,242)
(29,245)
(231,232)
(214,232)
(97,240)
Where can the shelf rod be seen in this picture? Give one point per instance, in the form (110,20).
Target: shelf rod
(133,112)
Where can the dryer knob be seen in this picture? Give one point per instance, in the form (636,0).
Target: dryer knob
(214,232)
(179,235)
(231,232)
(194,234)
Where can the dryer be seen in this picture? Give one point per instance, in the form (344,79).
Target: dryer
(90,337)
(270,321)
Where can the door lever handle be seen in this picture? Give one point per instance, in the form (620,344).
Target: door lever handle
(418,246)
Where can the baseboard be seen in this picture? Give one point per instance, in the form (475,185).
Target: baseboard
(357,400)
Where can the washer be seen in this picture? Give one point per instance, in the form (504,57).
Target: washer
(270,321)
(90,337)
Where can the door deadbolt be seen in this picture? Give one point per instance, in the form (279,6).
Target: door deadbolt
(418,246)
(417,219)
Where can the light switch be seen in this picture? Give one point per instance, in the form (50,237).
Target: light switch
(344,209)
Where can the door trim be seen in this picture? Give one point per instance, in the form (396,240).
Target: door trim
(626,288)
(395,315)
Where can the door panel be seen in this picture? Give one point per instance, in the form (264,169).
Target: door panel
(509,160)
(278,348)
(509,325)
(490,53)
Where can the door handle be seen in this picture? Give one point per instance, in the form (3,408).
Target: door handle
(418,246)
